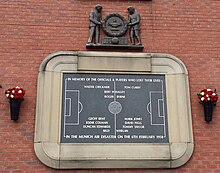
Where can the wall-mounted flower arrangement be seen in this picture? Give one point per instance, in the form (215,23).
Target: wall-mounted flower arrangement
(15,96)
(208,99)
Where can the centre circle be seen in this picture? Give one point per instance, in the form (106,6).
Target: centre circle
(115,107)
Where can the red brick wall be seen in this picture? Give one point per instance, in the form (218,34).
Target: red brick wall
(32,29)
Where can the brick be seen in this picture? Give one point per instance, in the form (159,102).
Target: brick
(30,30)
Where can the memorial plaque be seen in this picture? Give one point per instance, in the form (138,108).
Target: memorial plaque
(114,108)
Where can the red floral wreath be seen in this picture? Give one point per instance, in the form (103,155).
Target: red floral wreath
(15,93)
(207,95)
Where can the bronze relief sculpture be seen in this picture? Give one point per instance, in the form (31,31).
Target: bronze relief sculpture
(95,18)
(134,23)
(115,27)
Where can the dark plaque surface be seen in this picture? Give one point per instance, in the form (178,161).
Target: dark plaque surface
(114,108)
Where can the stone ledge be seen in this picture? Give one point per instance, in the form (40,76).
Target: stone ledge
(110,46)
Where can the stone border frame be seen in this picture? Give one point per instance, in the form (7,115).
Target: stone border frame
(57,155)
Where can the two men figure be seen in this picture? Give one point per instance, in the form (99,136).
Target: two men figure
(95,19)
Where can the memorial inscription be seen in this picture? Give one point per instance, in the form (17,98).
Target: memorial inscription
(114,108)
